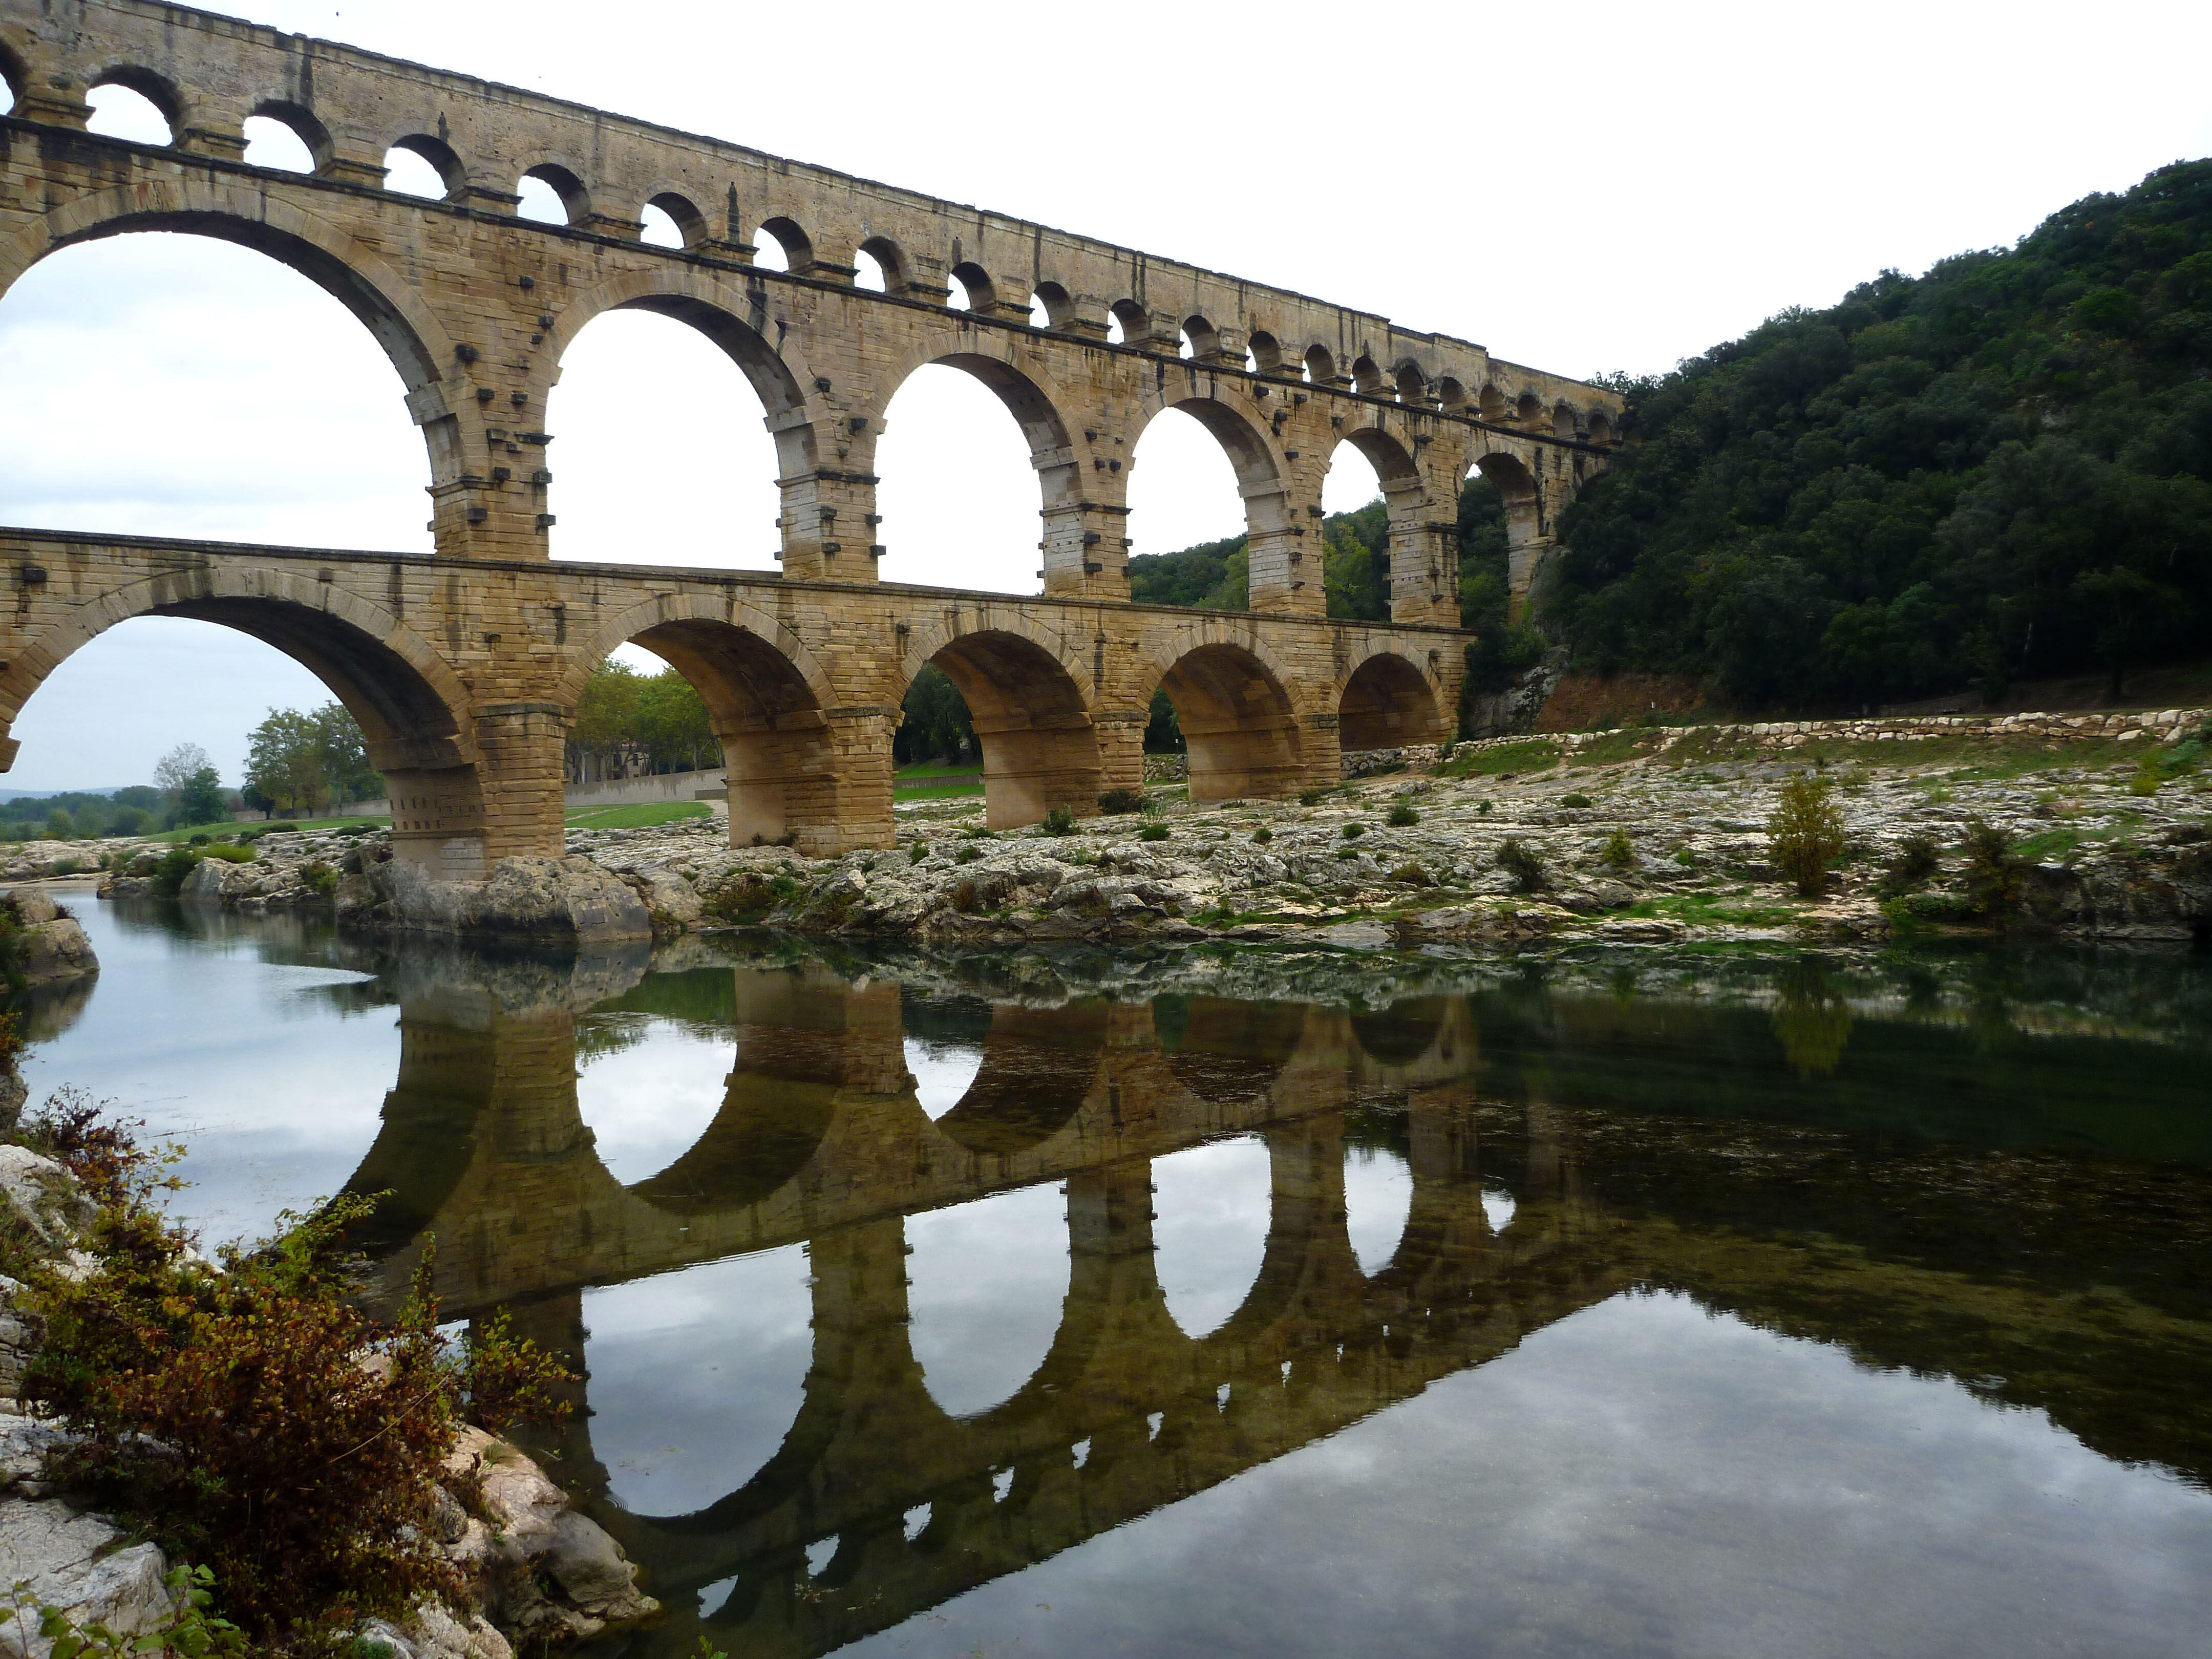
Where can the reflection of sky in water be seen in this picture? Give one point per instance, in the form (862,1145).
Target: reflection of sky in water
(1642,1478)
(275,1088)
(696,1377)
(647,1105)
(1211,1207)
(1498,1207)
(1378,1196)
(943,1072)
(987,1284)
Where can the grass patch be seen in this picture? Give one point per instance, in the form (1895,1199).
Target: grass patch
(1616,747)
(646,815)
(1712,909)
(1507,760)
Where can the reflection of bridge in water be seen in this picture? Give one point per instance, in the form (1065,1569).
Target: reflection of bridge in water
(821,1140)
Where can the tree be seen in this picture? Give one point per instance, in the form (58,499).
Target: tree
(201,799)
(673,724)
(345,755)
(300,761)
(1163,730)
(175,769)
(60,826)
(935,723)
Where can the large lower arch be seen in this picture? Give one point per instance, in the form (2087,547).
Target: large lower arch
(1238,721)
(1032,709)
(1387,703)
(1527,542)
(413,710)
(768,698)
(1282,577)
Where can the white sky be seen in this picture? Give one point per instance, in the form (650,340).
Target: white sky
(1608,187)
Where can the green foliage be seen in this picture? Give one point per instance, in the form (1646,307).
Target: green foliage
(934,722)
(1164,728)
(219,1410)
(1522,863)
(1805,835)
(1118,803)
(1312,797)
(319,878)
(1413,875)
(1618,853)
(1153,832)
(1917,862)
(967,855)
(296,760)
(201,800)
(662,714)
(169,874)
(1994,871)
(1211,576)
(1577,799)
(1503,760)
(192,1630)
(1401,815)
(1354,831)
(1060,821)
(1262,835)
(916,852)
(1984,474)
(638,814)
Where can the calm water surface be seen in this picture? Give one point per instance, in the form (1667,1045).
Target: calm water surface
(1073,1307)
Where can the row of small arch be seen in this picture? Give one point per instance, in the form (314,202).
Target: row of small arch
(421,165)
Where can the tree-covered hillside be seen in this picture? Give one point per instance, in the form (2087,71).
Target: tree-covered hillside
(2000,470)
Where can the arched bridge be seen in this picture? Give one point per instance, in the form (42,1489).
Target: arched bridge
(464,667)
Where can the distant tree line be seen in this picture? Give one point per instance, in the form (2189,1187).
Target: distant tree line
(2000,470)
(658,717)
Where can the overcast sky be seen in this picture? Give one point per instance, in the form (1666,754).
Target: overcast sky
(1580,189)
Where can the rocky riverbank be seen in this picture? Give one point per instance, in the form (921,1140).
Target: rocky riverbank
(1642,834)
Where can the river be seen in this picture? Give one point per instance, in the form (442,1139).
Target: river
(1089,1305)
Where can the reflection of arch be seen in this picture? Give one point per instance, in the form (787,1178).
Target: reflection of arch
(1031,702)
(1225,1051)
(1403,1032)
(1039,1065)
(1238,721)
(1388,703)
(783,1090)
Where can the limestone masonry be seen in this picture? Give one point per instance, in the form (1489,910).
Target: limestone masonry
(464,667)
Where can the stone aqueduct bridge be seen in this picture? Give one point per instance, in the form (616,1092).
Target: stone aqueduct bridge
(821,1141)
(464,667)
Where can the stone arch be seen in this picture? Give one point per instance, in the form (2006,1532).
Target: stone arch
(797,247)
(1452,393)
(303,125)
(1601,428)
(1413,385)
(776,1112)
(702,301)
(1489,403)
(1367,377)
(1136,322)
(1562,419)
(414,712)
(1321,364)
(566,183)
(1238,720)
(1525,537)
(158,90)
(1528,409)
(1030,700)
(1031,397)
(1242,435)
(1205,338)
(442,158)
(767,696)
(975,283)
(1267,352)
(1387,701)
(684,213)
(1059,305)
(15,76)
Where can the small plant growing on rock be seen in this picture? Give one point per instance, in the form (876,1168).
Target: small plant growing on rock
(1527,869)
(1993,871)
(1577,799)
(1354,831)
(1483,809)
(1806,833)
(1262,835)
(319,878)
(1917,864)
(1060,821)
(967,855)
(1119,802)
(1312,797)
(1401,815)
(1685,858)
(1153,832)
(916,852)
(1618,853)
(1412,876)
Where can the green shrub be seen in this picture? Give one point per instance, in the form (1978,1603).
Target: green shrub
(916,852)
(319,878)
(1354,831)
(1619,853)
(1917,864)
(1413,875)
(1519,862)
(1483,809)
(1262,835)
(1577,799)
(1060,821)
(191,1630)
(1401,815)
(230,854)
(201,840)
(1993,871)
(1153,832)
(979,833)
(1345,853)
(169,874)
(1312,797)
(1805,836)
(1685,858)
(967,855)
(222,1412)
(1119,802)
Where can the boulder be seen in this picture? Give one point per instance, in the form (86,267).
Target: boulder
(567,900)
(78,1563)
(51,948)
(670,902)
